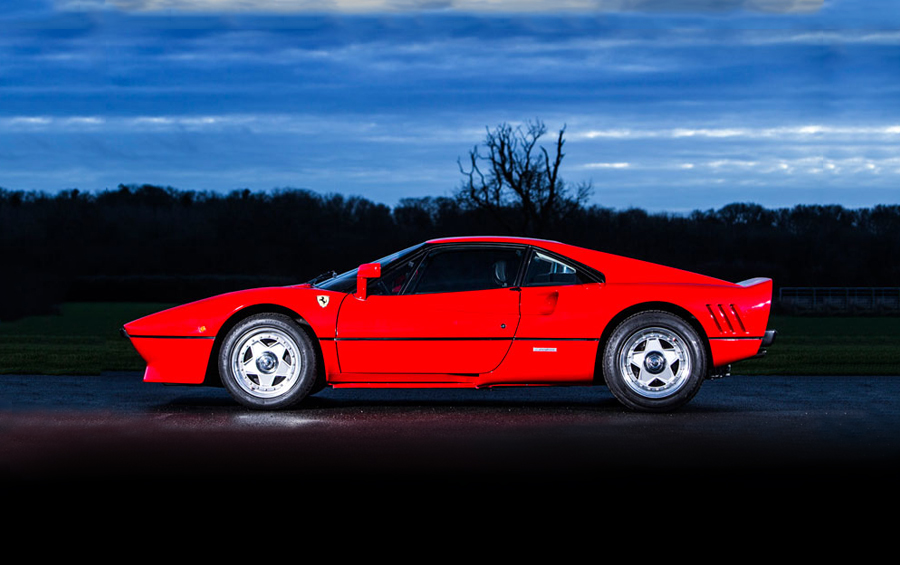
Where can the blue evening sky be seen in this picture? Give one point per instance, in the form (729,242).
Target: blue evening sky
(669,105)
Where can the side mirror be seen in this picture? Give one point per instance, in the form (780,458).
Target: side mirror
(365,272)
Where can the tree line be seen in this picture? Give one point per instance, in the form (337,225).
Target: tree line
(151,243)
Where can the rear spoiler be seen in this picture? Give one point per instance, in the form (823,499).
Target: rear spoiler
(754,281)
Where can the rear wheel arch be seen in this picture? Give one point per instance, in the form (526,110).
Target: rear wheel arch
(213,378)
(667,307)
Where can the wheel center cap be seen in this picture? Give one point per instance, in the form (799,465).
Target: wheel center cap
(267,362)
(654,362)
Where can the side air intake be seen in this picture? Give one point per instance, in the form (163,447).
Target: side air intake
(727,318)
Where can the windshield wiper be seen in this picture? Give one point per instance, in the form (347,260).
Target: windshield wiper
(323,277)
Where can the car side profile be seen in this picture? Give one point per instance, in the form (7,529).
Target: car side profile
(467,312)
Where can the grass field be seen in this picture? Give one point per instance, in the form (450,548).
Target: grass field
(830,346)
(84,340)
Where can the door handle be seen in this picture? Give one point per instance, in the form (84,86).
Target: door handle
(548,302)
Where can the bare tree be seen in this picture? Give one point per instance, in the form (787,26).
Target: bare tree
(518,181)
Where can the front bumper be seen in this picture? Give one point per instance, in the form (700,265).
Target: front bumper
(174,360)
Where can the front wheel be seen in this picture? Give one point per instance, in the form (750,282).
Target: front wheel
(654,362)
(267,362)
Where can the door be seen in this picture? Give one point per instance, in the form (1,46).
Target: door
(457,315)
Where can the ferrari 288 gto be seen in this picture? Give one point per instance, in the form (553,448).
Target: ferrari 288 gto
(467,312)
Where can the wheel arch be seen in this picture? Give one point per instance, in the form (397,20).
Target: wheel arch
(669,307)
(213,378)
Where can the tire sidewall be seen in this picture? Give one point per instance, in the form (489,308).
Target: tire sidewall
(305,380)
(615,380)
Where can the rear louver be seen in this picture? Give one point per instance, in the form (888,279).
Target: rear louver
(727,318)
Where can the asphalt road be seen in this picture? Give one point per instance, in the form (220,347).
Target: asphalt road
(808,463)
(760,432)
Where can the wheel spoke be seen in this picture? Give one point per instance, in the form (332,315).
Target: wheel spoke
(671,356)
(265,379)
(278,350)
(256,349)
(666,376)
(284,368)
(638,358)
(646,377)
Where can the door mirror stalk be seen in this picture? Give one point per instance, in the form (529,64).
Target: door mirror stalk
(365,272)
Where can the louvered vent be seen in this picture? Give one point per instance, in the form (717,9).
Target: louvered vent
(727,318)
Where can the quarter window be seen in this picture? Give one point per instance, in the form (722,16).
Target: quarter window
(547,271)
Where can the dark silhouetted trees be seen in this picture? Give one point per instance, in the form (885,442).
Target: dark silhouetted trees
(149,243)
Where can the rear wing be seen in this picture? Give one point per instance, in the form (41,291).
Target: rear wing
(754,281)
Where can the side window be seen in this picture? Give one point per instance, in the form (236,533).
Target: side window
(547,271)
(458,270)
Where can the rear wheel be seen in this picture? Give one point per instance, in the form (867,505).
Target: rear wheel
(654,361)
(267,362)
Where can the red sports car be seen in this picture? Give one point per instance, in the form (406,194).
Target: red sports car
(467,312)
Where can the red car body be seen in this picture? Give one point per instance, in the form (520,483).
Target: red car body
(549,328)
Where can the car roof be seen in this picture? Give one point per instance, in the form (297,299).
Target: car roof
(493,239)
(564,249)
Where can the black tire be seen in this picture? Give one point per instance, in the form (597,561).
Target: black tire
(267,362)
(654,361)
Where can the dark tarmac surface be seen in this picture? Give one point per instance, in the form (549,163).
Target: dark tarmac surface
(773,462)
(797,434)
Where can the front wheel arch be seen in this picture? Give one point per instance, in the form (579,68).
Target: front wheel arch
(213,378)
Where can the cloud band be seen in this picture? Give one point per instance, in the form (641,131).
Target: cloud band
(471,6)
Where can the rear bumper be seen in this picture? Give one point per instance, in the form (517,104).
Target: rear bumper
(768,340)
(726,351)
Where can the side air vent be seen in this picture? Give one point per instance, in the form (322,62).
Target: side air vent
(727,318)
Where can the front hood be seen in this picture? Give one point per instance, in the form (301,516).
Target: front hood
(204,318)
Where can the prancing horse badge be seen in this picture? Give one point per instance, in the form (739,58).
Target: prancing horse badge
(323,300)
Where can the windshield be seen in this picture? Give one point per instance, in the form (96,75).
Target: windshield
(346,282)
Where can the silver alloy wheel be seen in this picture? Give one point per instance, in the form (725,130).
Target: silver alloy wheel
(655,362)
(266,362)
